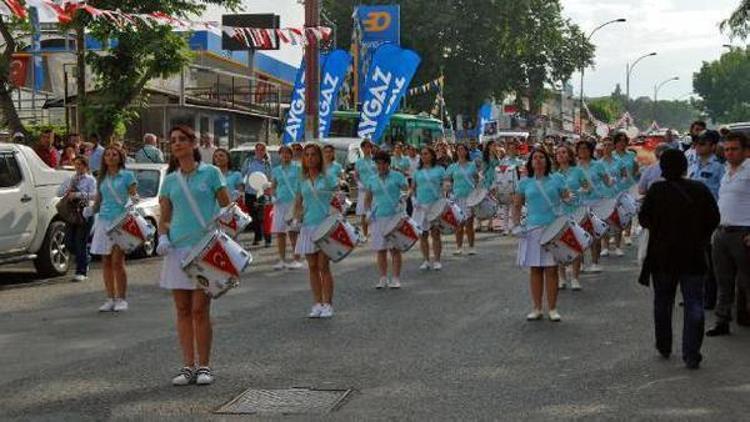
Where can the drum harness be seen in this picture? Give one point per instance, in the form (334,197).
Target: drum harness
(399,203)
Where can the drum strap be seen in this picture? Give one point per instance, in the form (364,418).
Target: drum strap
(589,180)
(399,204)
(466,177)
(315,192)
(432,187)
(191,200)
(113,191)
(286,180)
(540,186)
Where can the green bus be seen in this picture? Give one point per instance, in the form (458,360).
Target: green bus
(411,129)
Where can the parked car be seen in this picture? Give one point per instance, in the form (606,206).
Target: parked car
(238,155)
(743,127)
(30,228)
(150,178)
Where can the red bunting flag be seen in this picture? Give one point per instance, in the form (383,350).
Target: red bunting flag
(17,8)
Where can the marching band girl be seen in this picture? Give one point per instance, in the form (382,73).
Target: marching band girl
(235,184)
(312,207)
(364,169)
(116,188)
(284,185)
(332,168)
(543,196)
(594,189)
(427,184)
(383,202)
(488,168)
(463,176)
(630,172)
(399,161)
(571,176)
(188,199)
(615,170)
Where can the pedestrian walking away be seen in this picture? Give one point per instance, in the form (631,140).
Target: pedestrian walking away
(364,169)
(188,200)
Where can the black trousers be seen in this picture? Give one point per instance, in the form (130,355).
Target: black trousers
(256,207)
(709,281)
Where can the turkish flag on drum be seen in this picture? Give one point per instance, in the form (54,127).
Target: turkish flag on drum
(340,235)
(131,226)
(570,239)
(218,258)
(19,66)
(267,219)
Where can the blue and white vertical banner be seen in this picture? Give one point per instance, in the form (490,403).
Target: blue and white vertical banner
(334,66)
(36,49)
(377,25)
(387,81)
(294,130)
(485,115)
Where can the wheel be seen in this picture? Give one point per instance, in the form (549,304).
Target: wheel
(53,258)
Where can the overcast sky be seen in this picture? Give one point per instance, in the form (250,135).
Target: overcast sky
(684,33)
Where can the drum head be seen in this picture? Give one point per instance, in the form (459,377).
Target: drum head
(324,228)
(436,209)
(476,197)
(604,209)
(257,181)
(392,224)
(553,229)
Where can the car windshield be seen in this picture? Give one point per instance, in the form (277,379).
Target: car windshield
(148,182)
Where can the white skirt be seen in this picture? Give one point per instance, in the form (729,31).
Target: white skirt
(101,242)
(461,203)
(377,231)
(530,250)
(361,202)
(278,224)
(420,216)
(172,275)
(305,244)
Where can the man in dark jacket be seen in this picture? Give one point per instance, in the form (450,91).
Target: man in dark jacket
(680,215)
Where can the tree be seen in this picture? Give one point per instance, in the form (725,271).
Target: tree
(8,113)
(738,24)
(724,86)
(486,48)
(605,109)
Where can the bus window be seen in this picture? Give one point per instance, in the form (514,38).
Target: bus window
(343,127)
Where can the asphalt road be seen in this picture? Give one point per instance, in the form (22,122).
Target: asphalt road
(452,345)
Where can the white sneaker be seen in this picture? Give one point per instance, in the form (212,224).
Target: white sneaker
(204,376)
(628,241)
(294,265)
(79,277)
(108,306)
(326,311)
(315,311)
(425,266)
(619,252)
(562,285)
(437,266)
(534,315)
(595,268)
(458,252)
(554,315)
(279,266)
(382,283)
(605,252)
(395,283)
(472,251)
(121,305)
(575,284)
(185,377)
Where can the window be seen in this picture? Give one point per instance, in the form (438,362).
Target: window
(148,183)
(10,173)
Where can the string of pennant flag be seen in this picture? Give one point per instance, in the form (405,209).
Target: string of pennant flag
(266,37)
(429,86)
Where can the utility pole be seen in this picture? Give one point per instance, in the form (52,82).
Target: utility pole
(312,77)
(80,76)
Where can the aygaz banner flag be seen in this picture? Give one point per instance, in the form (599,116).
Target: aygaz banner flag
(335,67)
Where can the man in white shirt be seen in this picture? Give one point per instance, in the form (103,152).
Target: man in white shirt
(731,243)
(207,148)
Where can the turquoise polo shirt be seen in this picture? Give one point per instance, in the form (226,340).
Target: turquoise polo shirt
(463,178)
(571,179)
(429,184)
(286,178)
(401,164)
(614,170)
(365,169)
(110,208)
(316,198)
(204,183)
(540,212)
(595,176)
(628,161)
(489,173)
(386,193)
(234,182)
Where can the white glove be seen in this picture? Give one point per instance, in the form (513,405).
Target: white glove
(518,231)
(164,245)
(88,212)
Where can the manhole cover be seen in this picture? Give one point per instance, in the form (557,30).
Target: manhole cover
(289,401)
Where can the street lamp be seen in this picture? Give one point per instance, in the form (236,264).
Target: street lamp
(629,70)
(657,87)
(591,34)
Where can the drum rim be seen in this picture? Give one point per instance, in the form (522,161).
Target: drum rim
(565,222)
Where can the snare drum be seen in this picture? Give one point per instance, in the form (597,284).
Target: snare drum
(446,216)
(232,220)
(482,204)
(402,232)
(616,213)
(565,240)
(340,204)
(506,181)
(216,263)
(591,222)
(131,230)
(336,238)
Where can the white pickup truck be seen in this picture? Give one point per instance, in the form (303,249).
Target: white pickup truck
(30,229)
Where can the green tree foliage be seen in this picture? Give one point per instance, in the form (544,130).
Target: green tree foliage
(606,109)
(140,53)
(724,86)
(487,48)
(12,31)
(738,25)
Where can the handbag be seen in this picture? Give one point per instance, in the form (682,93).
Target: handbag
(70,210)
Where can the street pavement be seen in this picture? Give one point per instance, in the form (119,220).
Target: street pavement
(450,345)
